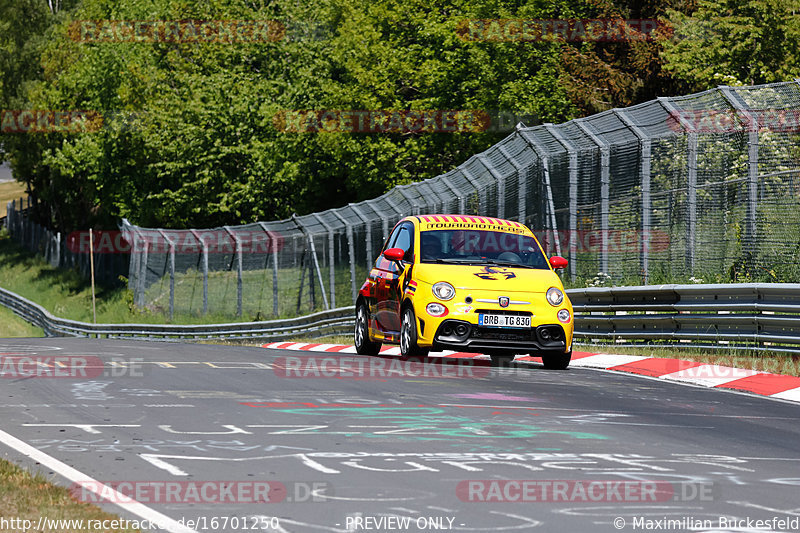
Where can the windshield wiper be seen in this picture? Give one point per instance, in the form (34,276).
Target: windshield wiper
(506,263)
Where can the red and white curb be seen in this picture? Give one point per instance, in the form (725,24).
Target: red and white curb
(691,372)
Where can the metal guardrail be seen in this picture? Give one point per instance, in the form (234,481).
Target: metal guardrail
(754,315)
(335,321)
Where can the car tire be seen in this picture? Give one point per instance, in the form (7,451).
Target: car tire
(364,345)
(556,361)
(408,336)
(502,360)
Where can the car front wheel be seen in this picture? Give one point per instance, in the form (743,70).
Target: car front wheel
(364,346)
(557,361)
(408,336)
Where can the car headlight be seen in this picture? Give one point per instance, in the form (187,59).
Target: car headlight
(555,296)
(443,290)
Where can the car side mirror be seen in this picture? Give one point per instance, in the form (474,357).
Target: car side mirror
(558,262)
(394,254)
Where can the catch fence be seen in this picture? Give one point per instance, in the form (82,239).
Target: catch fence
(704,187)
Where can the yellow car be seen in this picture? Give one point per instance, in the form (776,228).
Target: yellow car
(465,283)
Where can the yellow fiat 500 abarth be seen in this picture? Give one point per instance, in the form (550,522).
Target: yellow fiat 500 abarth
(465,283)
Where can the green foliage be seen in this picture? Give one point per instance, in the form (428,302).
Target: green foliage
(735,42)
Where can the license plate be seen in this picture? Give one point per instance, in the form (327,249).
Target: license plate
(503,321)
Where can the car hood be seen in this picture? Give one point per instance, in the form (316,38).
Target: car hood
(488,277)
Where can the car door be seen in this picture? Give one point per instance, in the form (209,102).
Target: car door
(391,274)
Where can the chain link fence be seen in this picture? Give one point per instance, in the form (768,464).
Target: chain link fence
(700,187)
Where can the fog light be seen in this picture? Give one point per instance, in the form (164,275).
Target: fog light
(563,316)
(435,309)
(461,330)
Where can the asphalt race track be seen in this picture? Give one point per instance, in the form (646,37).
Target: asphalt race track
(225,438)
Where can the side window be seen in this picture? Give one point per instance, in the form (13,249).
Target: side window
(405,241)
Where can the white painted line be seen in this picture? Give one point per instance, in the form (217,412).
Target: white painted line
(349,349)
(160,520)
(606,360)
(395,350)
(709,375)
(791,394)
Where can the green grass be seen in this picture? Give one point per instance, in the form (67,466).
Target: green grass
(13,326)
(10,190)
(30,496)
(65,294)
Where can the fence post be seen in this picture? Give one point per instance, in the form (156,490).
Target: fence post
(368,237)
(751,119)
(204,258)
(462,204)
(541,152)
(331,258)
(472,181)
(414,206)
(383,217)
(605,170)
(501,185)
(314,257)
(273,248)
(691,176)
(239,273)
(171,273)
(644,165)
(573,196)
(143,271)
(352,252)
(520,184)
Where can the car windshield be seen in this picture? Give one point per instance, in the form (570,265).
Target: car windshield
(480,247)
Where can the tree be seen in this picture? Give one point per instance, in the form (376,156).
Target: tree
(735,42)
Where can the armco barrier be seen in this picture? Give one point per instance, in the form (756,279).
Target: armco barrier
(753,315)
(332,322)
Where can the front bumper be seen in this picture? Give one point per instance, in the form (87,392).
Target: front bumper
(461,335)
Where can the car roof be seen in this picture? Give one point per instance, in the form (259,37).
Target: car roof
(483,222)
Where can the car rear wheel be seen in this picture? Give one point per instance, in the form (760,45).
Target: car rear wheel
(408,336)
(364,346)
(557,361)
